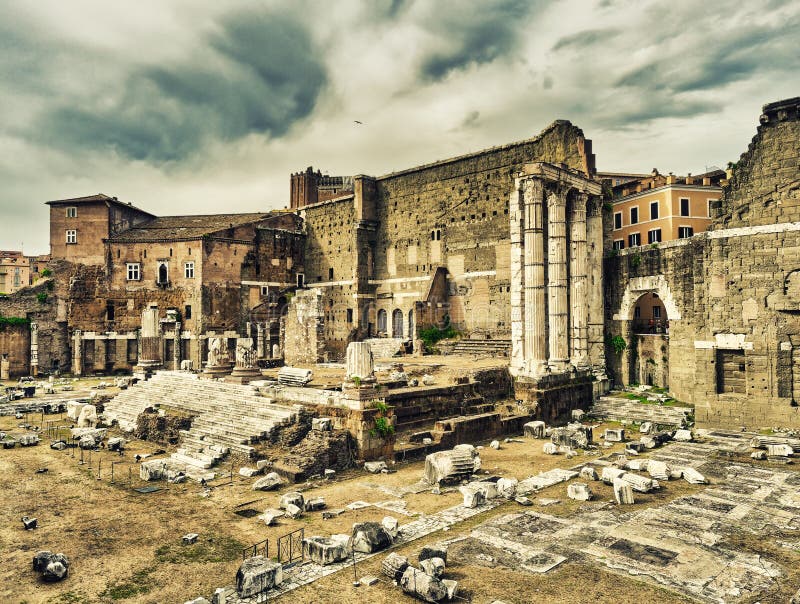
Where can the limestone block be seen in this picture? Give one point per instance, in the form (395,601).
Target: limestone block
(615,435)
(578,414)
(495,444)
(269,482)
(189,538)
(428,380)
(315,504)
(263,463)
(550,449)
(692,476)
(639,465)
(449,466)
(761,455)
(436,550)
(507,487)
(646,428)
(473,496)
(375,467)
(256,575)
(115,444)
(433,567)
(623,492)
(327,550)
(658,469)
(294,511)
(609,474)
(248,472)
(54,567)
(270,516)
(391,526)
(579,491)
(534,429)
(322,424)
(368,537)
(292,497)
(683,435)
(589,473)
(780,450)
(489,489)
(422,586)
(87,417)
(639,483)
(74,409)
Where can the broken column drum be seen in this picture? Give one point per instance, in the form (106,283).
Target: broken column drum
(550,270)
(359,382)
(150,340)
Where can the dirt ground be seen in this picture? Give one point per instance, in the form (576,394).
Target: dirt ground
(126,546)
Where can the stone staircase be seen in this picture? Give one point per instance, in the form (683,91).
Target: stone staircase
(619,409)
(228,417)
(486,348)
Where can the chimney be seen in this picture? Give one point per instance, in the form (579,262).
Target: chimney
(689,179)
(729,173)
(638,187)
(706,181)
(671,179)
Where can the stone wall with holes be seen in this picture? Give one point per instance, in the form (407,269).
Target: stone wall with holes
(730,293)
(304,329)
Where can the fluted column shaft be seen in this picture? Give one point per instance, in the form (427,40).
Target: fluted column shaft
(535,302)
(594,237)
(557,283)
(577,283)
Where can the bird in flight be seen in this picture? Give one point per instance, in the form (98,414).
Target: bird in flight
(357,122)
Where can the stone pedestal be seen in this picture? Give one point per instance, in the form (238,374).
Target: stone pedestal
(77,353)
(245,369)
(218,363)
(359,382)
(34,349)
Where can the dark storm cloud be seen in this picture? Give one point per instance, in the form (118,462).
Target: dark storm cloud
(267,78)
(474,37)
(733,56)
(586,38)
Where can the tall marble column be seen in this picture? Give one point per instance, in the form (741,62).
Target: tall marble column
(34,349)
(150,340)
(77,353)
(176,347)
(594,237)
(557,283)
(516,212)
(577,283)
(535,309)
(260,341)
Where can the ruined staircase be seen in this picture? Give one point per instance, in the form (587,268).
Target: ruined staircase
(622,409)
(487,348)
(227,417)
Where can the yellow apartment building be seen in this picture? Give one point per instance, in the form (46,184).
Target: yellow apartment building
(15,271)
(663,208)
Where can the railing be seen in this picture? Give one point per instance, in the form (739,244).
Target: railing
(290,547)
(257,549)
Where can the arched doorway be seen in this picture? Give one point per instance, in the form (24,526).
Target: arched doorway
(411,327)
(649,341)
(382,323)
(397,323)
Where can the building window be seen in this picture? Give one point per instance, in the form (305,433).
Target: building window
(187,311)
(264,291)
(349,315)
(162,274)
(188,270)
(617,220)
(109,310)
(656,312)
(301,280)
(72,236)
(634,239)
(637,312)
(72,212)
(710,201)
(330,274)
(653,210)
(654,236)
(684,207)
(635,215)
(619,244)
(685,232)
(134,270)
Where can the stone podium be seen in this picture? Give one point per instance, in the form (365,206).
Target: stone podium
(149,343)
(218,362)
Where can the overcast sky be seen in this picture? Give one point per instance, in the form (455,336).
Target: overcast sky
(193,106)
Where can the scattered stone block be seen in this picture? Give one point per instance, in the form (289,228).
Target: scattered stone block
(221,595)
(779,450)
(257,574)
(534,429)
(329,474)
(579,491)
(610,473)
(452,588)
(116,443)
(200,600)
(646,428)
(623,492)
(635,447)
(578,414)
(638,483)
(270,482)
(294,511)
(327,550)
(523,501)
(450,467)
(614,435)
(87,417)
(550,449)
(322,424)
(270,516)
(261,464)
(658,469)
(428,380)
(755,454)
(314,505)
(190,538)
(433,567)
(368,537)
(391,526)
(368,580)
(507,487)
(28,440)
(589,473)
(544,502)
(328,514)
(54,567)
(692,476)
(29,523)
(433,551)
(358,505)
(394,565)
(683,435)
(375,467)
(473,496)
(293,498)
(248,472)
(495,444)
(60,445)
(417,583)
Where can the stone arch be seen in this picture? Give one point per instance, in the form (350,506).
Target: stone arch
(383,323)
(791,285)
(638,286)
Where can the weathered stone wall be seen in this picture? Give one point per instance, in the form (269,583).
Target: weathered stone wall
(15,342)
(730,293)
(304,329)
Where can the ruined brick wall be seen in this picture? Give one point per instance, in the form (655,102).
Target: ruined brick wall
(15,342)
(454,214)
(735,350)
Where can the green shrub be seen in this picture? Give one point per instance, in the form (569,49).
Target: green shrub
(383,427)
(13,321)
(636,260)
(46,273)
(431,335)
(618,344)
(41,297)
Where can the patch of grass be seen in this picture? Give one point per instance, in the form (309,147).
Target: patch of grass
(70,597)
(210,548)
(140,583)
